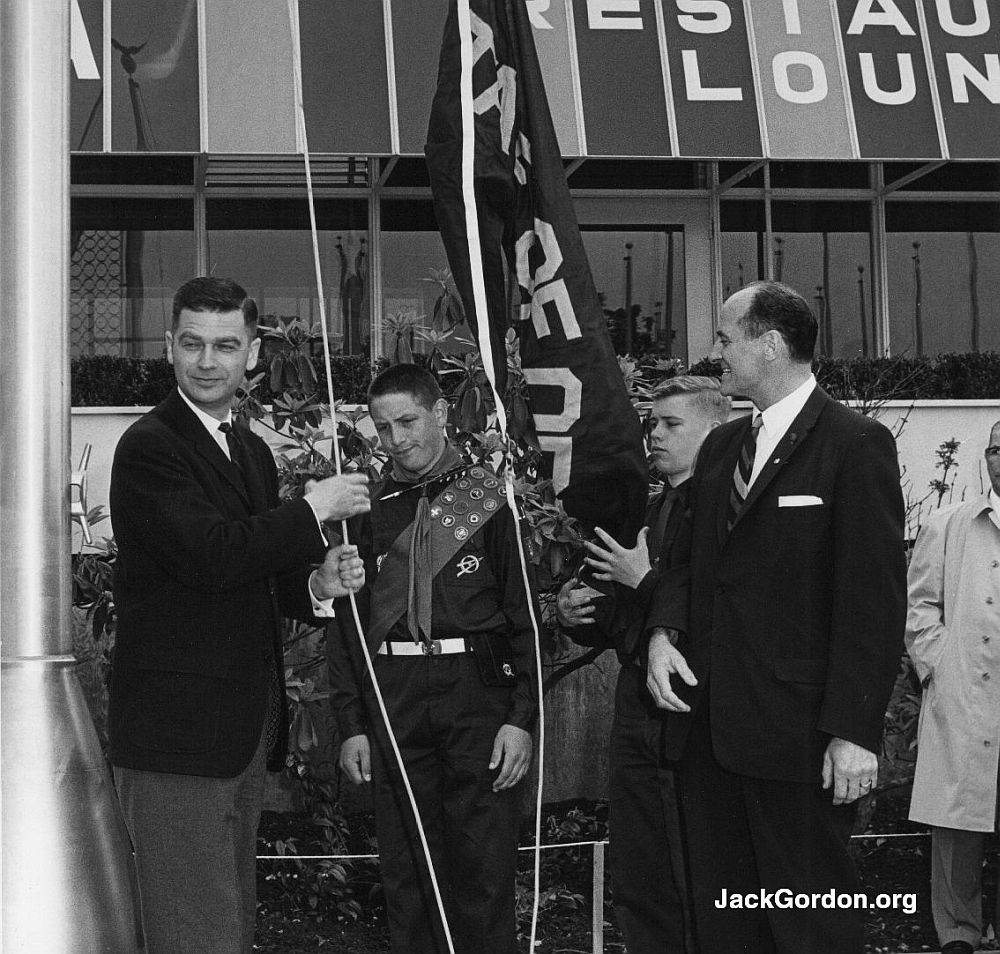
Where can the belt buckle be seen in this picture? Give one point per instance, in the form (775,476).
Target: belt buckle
(433,648)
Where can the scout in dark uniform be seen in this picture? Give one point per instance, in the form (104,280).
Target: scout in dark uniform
(647,861)
(447,623)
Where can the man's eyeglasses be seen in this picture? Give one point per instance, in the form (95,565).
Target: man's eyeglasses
(992,450)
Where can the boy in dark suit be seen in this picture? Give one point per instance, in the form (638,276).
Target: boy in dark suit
(206,556)
(781,637)
(647,864)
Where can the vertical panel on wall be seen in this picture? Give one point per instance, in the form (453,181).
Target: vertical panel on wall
(344,79)
(802,93)
(154,78)
(417,28)
(712,78)
(552,40)
(621,80)
(965,44)
(251,101)
(86,121)
(890,87)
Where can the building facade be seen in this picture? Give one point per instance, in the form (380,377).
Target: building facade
(850,148)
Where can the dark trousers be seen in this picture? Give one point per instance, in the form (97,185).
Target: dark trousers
(445,721)
(746,835)
(195,843)
(646,851)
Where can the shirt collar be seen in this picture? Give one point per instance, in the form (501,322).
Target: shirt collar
(993,505)
(211,424)
(779,416)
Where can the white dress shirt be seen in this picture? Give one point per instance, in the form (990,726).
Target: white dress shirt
(775,422)
(321,608)
(211,424)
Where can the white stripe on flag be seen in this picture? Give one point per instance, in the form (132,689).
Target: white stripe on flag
(471,212)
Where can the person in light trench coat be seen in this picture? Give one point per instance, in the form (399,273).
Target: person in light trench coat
(953,637)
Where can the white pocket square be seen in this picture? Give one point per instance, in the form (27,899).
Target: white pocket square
(800,500)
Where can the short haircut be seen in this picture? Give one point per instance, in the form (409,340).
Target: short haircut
(776,307)
(409,379)
(216,295)
(703,391)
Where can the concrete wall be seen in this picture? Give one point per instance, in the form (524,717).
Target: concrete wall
(920,427)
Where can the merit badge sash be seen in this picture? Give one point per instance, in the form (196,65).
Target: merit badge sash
(456,514)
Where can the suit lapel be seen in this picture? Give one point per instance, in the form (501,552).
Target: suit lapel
(787,446)
(254,474)
(184,422)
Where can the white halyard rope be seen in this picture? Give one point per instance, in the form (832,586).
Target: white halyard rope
(300,118)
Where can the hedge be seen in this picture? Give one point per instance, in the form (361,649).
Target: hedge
(972,376)
(110,381)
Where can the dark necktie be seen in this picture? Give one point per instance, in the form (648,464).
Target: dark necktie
(654,541)
(743,471)
(235,446)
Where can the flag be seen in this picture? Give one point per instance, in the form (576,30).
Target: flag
(500,193)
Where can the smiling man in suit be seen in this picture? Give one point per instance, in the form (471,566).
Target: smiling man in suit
(778,642)
(207,558)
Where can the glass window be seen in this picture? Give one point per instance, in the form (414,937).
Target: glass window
(943,263)
(820,175)
(742,244)
(266,246)
(127,258)
(154,76)
(86,123)
(640,271)
(640,174)
(728,169)
(111,170)
(823,250)
(951,177)
(413,256)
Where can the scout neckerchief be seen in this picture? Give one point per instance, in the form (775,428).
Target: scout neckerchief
(418,579)
(425,547)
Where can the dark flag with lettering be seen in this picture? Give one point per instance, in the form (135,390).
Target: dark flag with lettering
(500,192)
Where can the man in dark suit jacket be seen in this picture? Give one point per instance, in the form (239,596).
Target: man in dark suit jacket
(647,860)
(781,639)
(205,558)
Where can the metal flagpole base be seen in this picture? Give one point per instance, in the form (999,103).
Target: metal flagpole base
(67,865)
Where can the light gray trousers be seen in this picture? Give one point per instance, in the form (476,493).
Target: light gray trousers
(195,845)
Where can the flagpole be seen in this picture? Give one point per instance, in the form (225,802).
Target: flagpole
(66,860)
